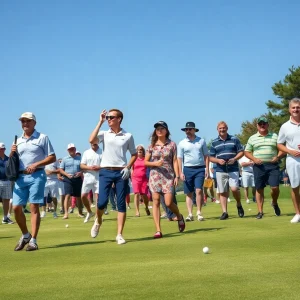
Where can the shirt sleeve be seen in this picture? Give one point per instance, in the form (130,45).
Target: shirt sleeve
(180,151)
(131,145)
(48,146)
(84,158)
(249,146)
(204,149)
(281,136)
(101,136)
(239,147)
(212,151)
(62,164)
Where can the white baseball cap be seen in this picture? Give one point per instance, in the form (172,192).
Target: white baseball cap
(27,115)
(71,145)
(2,146)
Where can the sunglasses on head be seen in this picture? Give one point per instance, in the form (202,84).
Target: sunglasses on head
(110,117)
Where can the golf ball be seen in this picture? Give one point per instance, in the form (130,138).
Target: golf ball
(67,225)
(249,209)
(205,250)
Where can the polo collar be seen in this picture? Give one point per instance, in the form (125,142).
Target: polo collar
(34,134)
(227,138)
(120,132)
(269,134)
(197,138)
(291,121)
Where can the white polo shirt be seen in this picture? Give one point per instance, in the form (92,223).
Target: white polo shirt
(52,167)
(248,169)
(91,158)
(115,146)
(289,133)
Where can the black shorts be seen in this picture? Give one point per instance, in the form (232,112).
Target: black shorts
(73,186)
(266,173)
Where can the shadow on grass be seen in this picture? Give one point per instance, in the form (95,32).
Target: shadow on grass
(170,235)
(74,244)
(6,237)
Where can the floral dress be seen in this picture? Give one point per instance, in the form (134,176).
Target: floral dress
(161,179)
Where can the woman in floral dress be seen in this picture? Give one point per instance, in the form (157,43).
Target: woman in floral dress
(161,157)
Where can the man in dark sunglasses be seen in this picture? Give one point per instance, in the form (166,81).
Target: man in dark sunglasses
(114,167)
(262,149)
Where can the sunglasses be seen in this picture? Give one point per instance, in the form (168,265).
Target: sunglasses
(189,129)
(262,123)
(160,128)
(26,121)
(110,117)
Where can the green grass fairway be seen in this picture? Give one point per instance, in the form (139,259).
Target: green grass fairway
(248,259)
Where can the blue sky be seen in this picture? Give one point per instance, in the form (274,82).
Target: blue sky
(175,61)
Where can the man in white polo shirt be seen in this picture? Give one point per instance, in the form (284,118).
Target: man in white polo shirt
(114,167)
(90,164)
(289,142)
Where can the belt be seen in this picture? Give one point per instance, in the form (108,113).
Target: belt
(195,167)
(113,168)
(26,172)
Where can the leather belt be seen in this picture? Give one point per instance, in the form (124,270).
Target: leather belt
(26,173)
(195,167)
(113,168)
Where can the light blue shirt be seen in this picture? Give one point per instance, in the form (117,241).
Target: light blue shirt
(33,149)
(192,152)
(70,165)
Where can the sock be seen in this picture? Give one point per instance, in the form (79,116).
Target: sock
(4,217)
(32,240)
(26,235)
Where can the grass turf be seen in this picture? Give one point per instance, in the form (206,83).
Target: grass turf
(248,259)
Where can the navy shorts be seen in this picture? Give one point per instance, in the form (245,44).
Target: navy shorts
(106,179)
(73,186)
(265,174)
(194,178)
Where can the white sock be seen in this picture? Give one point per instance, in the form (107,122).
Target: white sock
(32,240)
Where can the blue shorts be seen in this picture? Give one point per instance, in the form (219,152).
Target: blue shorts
(194,178)
(266,173)
(106,179)
(30,188)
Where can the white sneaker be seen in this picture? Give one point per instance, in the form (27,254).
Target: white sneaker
(247,201)
(106,212)
(189,218)
(43,214)
(200,218)
(55,215)
(88,216)
(120,240)
(296,219)
(228,200)
(217,202)
(93,205)
(95,229)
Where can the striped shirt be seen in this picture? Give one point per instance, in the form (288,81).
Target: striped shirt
(226,149)
(263,147)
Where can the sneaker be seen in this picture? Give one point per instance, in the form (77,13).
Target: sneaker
(189,218)
(81,215)
(158,235)
(295,219)
(95,228)
(276,210)
(164,216)
(62,212)
(247,201)
(120,240)
(106,212)
(55,215)
(26,211)
(43,214)
(71,210)
(217,202)
(93,205)
(224,216)
(200,218)
(228,200)
(147,211)
(22,242)
(88,216)
(240,211)
(32,246)
(7,220)
(254,199)
(128,207)
(181,224)
(259,215)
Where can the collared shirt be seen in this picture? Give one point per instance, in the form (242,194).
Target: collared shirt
(289,133)
(3,163)
(52,167)
(263,147)
(192,152)
(70,165)
(226,149)
(115,146)
(91,158)
(33,149)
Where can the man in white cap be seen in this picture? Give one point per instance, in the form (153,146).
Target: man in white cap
(70,170)
(35,152)
(5,186)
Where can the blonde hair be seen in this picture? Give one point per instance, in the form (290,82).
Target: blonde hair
(222,123)
(295,101)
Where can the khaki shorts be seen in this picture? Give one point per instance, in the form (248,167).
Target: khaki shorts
(226,180)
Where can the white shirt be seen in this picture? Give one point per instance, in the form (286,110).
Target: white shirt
(52,167)
(91,158)
(248,169)
(289,133)
(115,146)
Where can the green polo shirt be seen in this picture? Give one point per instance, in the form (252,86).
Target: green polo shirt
(263,147)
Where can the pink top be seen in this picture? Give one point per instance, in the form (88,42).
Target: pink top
(139,170)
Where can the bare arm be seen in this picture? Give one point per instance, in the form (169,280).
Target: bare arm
(62,172)
(48,160)
(206,159)
(84,167)
(132,160)
(283,149)
(152,164)
(98,126)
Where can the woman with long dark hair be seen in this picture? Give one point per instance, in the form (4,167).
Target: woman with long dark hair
(161,157)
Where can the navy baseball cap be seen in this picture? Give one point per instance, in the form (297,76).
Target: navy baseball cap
(161,123)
